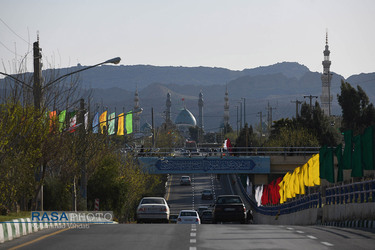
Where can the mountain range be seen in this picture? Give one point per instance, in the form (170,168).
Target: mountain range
(279,85)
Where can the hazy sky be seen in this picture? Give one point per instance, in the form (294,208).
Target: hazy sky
(233,34)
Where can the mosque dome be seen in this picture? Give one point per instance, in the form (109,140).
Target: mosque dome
(185,117)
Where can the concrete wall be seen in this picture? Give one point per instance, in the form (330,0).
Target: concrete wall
(305,217)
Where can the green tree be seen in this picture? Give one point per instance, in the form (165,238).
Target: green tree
(357,112)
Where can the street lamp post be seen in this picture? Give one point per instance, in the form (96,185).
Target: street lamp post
(37,89)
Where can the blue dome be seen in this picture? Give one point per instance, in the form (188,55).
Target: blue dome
(186,117)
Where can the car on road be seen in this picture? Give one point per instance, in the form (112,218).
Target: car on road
(153,209)
(185,180)
(229,208)
(201,209)
(173,218)
(188,217)
(207,194)
(206,217)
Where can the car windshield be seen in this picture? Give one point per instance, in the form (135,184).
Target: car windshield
(185,178)
(188,214)
(228,200)
(152,201)
(207,191)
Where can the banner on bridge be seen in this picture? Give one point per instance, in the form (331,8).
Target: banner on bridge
(211,165)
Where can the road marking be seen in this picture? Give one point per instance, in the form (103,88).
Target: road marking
(193,240)
(169,189)
(192,248)
(312,237)
(38,239)
(327,244)
(193,229)
(193,234)
(300,232)
(290,228)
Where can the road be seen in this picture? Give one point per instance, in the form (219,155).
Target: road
(191,237)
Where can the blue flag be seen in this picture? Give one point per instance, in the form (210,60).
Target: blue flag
(95,123)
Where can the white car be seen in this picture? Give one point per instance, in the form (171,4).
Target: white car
(153,209)
(188,217)
(185,180)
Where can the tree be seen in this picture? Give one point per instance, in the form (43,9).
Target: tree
(357,112)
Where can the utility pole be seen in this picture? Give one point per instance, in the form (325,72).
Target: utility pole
(153,127)
(37,87)
(297,103)
(237,120)
(244,110)
(269,115)
(310,97)
(240,115)
(81,150)
(261,126)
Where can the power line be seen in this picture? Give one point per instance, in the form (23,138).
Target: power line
(14,32)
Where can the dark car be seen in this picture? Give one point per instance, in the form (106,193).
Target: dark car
(206,217)
(207,194)
(229,208)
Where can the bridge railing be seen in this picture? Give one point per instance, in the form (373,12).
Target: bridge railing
(358,192)
(220,152)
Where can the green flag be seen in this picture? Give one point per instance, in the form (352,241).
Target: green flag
(326,164)
(111,123)
(347,156)
(368,149)
(357,170)
(129,123)
(340,172)
(62,116)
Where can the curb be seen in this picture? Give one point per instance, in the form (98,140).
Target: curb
(10,230)
(352,224)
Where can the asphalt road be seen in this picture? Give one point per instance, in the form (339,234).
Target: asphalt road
(193,237)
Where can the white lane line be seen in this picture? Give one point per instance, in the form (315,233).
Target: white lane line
(193,229)
(290,228)
(327,244)
(192,248)
(300,232)
(193,234)
(193,240)
(311,237)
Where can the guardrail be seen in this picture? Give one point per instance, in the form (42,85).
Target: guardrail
(358,192)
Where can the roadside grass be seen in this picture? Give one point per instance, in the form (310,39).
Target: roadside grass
(14,215)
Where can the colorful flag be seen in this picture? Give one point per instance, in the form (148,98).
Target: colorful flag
(62,116)
(348,149)
(120,124)
(52,120)
(326,170)
(103,121)
(86,120)
(72,122)
(368,148)
(111,123)
(95,123)
(340,172)
(129,122)
(314,178)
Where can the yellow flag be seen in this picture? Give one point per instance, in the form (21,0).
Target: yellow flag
(281,191)
(103,121)
(314,178)
(288,186)
(120,124)
(305,170)
(301,183)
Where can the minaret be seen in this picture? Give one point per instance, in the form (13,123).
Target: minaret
(200,105)
(136,118)
(326,97)
(168,111)
(226,107)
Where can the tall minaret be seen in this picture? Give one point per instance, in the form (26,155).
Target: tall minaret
(136,118)
(168,111)
(226,107)
(200,105)
(326,97)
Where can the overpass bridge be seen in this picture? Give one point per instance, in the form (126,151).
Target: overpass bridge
(262,164)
